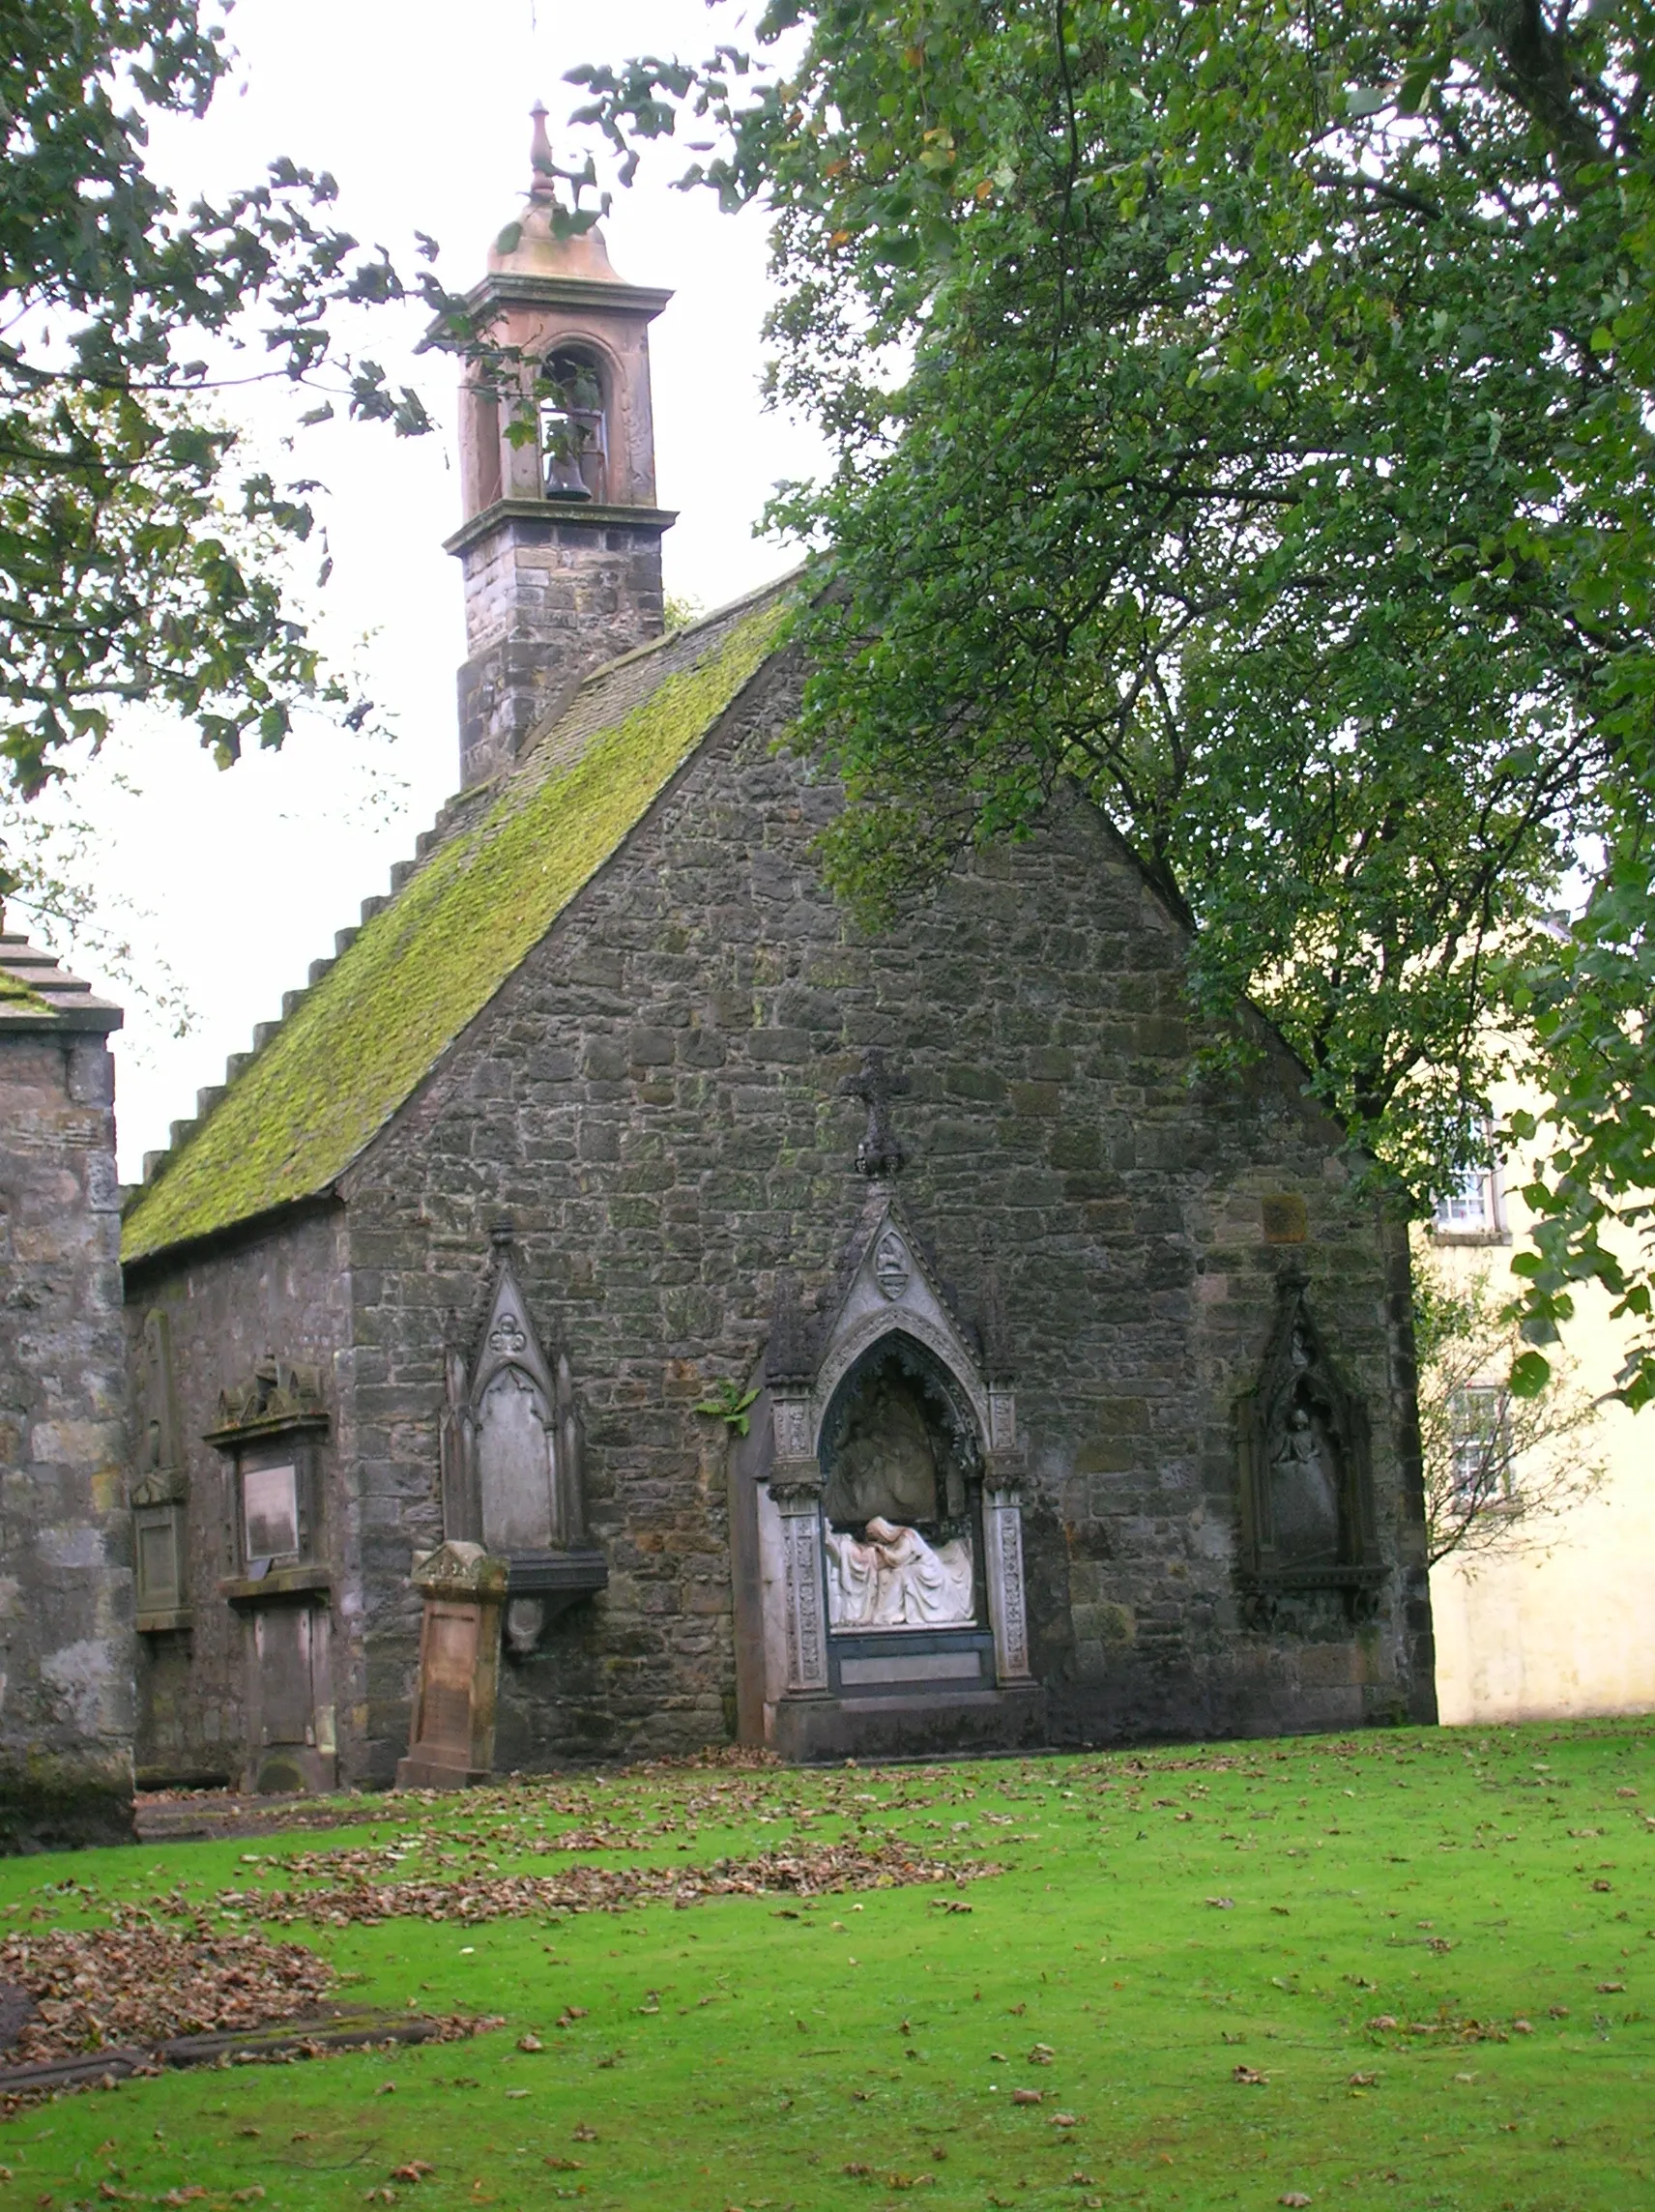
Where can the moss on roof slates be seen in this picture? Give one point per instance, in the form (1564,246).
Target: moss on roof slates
(359,1044)
(16,993)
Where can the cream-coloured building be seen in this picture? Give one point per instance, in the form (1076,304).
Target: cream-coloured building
(1565,1626)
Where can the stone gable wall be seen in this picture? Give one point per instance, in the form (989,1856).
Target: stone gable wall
(652,1100)
(66,1583)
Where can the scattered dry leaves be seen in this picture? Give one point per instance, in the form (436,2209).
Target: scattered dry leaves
(97,1989)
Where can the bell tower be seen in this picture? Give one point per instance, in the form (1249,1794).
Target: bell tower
(560,542)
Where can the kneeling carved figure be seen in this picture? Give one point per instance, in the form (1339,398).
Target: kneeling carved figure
(892,1578)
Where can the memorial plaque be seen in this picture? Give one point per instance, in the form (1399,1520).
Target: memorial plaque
(160,1571)
(445,1677)
(270,1496)
(514,1465)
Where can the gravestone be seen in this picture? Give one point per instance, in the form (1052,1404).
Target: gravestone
(451,1741)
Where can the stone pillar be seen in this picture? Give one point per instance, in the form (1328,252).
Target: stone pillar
(1003,1478)
(67,1640)
(795,1485)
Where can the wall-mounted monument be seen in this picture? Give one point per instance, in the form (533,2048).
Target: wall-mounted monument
(885,1492)
(1310,1561)
(515,1553)
(269,1430)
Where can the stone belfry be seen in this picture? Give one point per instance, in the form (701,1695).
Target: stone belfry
(562,537)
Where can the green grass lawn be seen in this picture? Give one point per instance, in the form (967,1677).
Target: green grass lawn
(1161,1921)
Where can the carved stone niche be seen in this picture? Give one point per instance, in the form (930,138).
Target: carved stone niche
(159,1492)
(890,1521)
(511,1465)
(1309,1556)
(271,1429)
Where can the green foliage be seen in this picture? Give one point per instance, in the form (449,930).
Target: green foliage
(805,2052)
(358,1043)
(143,557)
(1246,410)
(728,1402)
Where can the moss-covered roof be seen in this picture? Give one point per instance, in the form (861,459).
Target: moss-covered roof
(17,992)
(35,992)
(357,1044)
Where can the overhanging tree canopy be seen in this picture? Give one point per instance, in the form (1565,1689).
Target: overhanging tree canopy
(1245,407)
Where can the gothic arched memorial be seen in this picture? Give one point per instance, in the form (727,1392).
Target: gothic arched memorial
(887,1485)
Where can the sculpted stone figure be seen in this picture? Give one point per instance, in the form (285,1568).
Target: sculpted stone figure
(892,1578)
(1304,1497)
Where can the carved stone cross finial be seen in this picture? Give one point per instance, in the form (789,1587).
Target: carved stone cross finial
(879,1154)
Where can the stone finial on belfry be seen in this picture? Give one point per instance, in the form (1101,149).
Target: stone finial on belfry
(543,184)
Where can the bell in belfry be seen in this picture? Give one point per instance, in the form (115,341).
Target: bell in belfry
(571,428)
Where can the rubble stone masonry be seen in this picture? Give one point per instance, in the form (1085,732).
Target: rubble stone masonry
(66,1583)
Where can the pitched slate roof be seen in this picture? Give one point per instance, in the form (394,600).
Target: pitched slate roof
(505,863)
(37,994)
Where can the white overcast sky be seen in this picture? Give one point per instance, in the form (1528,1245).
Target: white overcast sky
(236,882)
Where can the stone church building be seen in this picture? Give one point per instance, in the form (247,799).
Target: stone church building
(624,1305)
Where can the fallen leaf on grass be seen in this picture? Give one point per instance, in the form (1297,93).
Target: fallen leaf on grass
(807,1870)
(1222,1904)
(95,1988)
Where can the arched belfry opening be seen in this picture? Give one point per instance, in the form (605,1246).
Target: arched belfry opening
(574,426)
